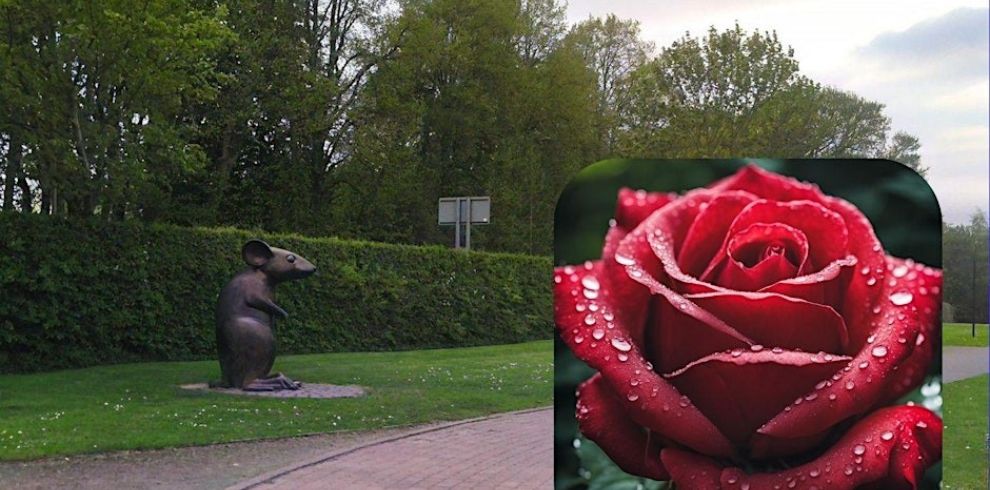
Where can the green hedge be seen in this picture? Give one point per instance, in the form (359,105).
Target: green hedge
(82,293)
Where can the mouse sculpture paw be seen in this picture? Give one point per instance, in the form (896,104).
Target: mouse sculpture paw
(275,382)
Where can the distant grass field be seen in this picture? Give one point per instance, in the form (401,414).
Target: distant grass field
(139,406)
(964,452)
(960,334)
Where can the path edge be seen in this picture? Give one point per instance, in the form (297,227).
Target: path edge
(271,476)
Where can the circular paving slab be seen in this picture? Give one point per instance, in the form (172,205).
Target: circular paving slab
(308,390)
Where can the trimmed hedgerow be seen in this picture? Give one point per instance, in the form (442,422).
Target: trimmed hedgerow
(79,293)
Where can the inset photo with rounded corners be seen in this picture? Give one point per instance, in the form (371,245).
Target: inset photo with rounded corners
(748,324)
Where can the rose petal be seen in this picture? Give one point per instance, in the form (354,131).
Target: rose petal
(602,418)
(925,286)
(635,205)
(768,185)
(692,471)
(652,402)
(776,320)
(862,383)
(862,292)
(825,231)
(678,336)
(722,385)
(707,231)
(746,266)
(823,287)
(889,449)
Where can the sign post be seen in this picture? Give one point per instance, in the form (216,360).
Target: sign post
(464,211)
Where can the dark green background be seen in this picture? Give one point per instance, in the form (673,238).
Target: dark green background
(899,203)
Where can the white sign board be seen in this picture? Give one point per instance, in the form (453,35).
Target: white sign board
(476,210)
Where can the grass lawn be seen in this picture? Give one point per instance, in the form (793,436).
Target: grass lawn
(960,334)
(138,406)
(964,454)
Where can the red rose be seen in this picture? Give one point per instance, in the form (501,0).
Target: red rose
(750,321)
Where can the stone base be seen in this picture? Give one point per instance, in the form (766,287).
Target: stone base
(308,390)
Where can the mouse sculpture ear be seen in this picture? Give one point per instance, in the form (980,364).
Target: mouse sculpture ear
(256,253)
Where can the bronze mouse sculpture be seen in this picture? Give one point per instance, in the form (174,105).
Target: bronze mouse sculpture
(246,314)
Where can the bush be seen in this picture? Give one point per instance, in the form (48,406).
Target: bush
(78,293)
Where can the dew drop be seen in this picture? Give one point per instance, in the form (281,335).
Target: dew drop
(900,271)
(821,384)
(684,402)
(859,449)
(622,357)
(557,279)
(864,364)
(811,396)
(901,298)
(633,382)
(920,340)
(589,319)
(591,293)
(623,260)
(814,473)
(777,350)
(850,385)
(609,316)
(590,282)
(756,348)
(879,351)
(593,307)
(598,334)
(848,471)
(736,352)
(865,270)
(832,396)
(632,397)
(871,281)
(578,339)
(621,345)
(887,435)
(870,339)
(921,425)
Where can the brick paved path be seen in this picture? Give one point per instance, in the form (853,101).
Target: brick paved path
(513,450)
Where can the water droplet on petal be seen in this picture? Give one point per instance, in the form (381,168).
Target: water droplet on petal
(591,293)
(887,435)
(589,319)
(812,396)
(598,334)
(684,402)
(848,470)
(901,298)
(921,425)
(623,260)
(859,449)
(864,364)
(850,385)
(590,282)
(557,279)
(814,473)
(756,348)
(580,307)
(879,351)
(622,357)
(621,345)
(871,281)
(609,316)
(832,396)
(578,339)
(633,382)
(632,397)
(900,271)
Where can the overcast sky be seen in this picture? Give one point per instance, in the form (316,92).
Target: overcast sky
(925,60)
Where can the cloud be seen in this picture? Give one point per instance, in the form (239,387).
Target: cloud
(954,44)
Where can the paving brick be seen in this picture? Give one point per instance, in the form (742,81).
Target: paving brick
(504,451)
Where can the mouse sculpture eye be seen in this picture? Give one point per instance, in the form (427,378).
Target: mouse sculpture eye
(291,258)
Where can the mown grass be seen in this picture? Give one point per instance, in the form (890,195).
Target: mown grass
(961,334)
(140,406)
(964,451)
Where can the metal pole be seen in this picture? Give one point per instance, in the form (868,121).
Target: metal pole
(467,226)
(457,226)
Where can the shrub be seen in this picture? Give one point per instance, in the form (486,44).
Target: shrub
(78,293)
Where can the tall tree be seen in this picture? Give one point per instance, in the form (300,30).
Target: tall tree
(613,50)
